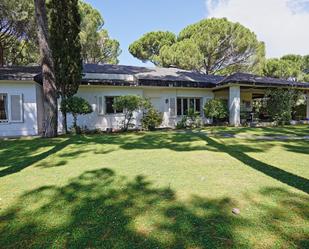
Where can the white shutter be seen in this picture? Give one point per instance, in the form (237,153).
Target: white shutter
(101,105)
(16,110)
(173,107)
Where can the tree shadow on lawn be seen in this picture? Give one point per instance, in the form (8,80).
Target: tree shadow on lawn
(101,210)
(287,215)
(18,154)
(176,141)
(301,146)
(283,176)
(15,155)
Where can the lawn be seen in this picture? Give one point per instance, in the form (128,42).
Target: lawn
(163,189)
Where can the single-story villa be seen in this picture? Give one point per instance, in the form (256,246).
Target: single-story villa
(171,91)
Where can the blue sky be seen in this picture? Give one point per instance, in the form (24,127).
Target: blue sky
(281,24)
(127,20)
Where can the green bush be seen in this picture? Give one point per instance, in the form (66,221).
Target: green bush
(299,112)
(280,103)
(182,124)
(191,120)
(151,119)
(216,109)
(194,119)
(130,104)
(76,106)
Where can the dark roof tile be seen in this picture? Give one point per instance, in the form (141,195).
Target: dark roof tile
(146,75)
(260,80)
(19,72)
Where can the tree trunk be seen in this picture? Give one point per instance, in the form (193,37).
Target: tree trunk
(1,56)
(64,123)
(75,122)
(49,87)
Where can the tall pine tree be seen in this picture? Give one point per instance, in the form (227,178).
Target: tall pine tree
(49,87)
(65,23)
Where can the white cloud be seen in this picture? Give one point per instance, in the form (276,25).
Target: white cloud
(282,24)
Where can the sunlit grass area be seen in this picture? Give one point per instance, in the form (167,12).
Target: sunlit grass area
(289,131)
(164,189)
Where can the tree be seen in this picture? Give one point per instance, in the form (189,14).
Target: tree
(280,68)
(291,66)
(23,52)
(49,85)
(17,30)
(65,43)
(211,46)
(19,42)
(216,109)
(148,47)
(185,54)
(129,104)
(280,103)
(97,46)
(151,119)
(76,106)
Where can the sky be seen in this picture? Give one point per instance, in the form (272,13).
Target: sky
(282,24)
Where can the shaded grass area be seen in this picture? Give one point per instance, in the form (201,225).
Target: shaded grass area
(153,190)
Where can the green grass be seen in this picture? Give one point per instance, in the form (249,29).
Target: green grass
(156,190)
(300,130)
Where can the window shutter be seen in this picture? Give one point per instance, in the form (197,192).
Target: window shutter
(101,105)
(16,108)
(172,107)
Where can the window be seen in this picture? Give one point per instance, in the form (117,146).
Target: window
(11,108)
(184,104)
(109,101)
(3,107)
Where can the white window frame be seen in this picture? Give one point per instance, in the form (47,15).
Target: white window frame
(188,104)
(9,120)
(115,112)
(5,121)
(102,99)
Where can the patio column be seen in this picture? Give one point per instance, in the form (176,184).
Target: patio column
(307,115)
(234,105)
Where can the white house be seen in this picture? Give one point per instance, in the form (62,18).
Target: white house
(172,91)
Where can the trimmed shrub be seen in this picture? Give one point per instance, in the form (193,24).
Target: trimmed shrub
(216,109)
(151,119)
(76,106)
(129,104)
(182,124)
(280,103)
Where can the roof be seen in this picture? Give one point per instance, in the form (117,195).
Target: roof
(121,75)
(113,69)
(175,74)
(252,79)
(19,72)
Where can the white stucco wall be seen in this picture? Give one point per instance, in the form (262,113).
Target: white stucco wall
(29,125)
(158,97)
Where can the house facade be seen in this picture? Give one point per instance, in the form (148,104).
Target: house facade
(171,91)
